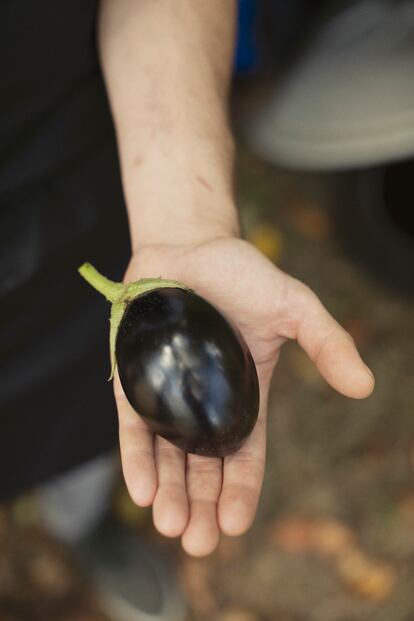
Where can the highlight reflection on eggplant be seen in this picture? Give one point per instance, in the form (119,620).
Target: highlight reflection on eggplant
(182,366)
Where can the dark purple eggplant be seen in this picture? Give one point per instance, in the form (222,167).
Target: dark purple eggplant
(183,367)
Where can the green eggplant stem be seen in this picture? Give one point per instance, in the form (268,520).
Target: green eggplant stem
(110,289)
(120,295)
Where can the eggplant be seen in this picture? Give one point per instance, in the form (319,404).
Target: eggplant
(183,367)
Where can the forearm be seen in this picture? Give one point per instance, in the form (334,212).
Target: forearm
(167,67)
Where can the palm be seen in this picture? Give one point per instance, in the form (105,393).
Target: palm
(193,496)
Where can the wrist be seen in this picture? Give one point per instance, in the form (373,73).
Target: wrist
(195,223)
(180,196)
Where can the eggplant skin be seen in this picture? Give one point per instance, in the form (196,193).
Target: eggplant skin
(187,372)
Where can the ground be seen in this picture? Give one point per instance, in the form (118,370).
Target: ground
(334,535)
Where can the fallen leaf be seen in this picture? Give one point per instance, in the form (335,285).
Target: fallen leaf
(333,540)
(48,574)
(324,537)
(268,240)
(128,512)
(359,329)
(311,220)
(374,581)
(331,537)
(292,534)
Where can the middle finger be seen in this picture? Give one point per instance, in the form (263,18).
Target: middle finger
(204,481)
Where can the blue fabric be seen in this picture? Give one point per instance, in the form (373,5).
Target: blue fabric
(247,57)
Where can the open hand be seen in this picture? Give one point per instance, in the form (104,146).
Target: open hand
(198,497)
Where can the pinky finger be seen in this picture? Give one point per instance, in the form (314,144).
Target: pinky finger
(137,451)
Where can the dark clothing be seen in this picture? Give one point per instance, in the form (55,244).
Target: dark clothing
(61,203)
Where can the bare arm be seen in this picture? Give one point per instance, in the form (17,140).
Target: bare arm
(167,67)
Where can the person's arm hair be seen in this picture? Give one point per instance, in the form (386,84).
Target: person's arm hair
(167,66)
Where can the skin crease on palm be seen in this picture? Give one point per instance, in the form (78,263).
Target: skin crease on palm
(197,498)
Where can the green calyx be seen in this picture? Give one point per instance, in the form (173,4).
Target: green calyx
(120,295)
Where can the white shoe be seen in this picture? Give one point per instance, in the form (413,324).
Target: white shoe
(349,101)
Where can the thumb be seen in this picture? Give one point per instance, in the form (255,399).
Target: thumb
(331,348)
